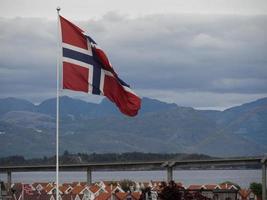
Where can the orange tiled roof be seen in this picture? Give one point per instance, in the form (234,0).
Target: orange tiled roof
(77,183)
(194,187)
(63,188)
(94,188)
(121,195)
(77,189)
(135,195)
(103,196)
(66,184)
(83,183)
(114,188)
(244,193)
(210,186)
(43,184)
(227,186)
(108,189)
(48,188)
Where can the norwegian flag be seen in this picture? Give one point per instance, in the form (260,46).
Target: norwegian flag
(86,68)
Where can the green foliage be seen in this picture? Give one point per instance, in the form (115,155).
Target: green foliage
(256,188)
(127,184)
(170,192)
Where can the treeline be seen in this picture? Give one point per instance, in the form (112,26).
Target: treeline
(78,158)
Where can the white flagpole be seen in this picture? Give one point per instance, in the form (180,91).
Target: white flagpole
(57,108)
(22,193)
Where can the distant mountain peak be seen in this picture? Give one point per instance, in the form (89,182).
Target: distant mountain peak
(15,104)
(160,127)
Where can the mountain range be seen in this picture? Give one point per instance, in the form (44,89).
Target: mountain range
(29,130)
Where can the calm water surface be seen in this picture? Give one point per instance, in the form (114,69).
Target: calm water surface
(187,177)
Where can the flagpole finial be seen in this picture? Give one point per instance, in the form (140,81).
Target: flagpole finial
(58,9)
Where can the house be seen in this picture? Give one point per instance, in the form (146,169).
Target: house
(84,192)
(65,189)
(41,185)
(52,190)
(225,191)
(217,192)
(246,194)
(96,190)
(127,196)
(16,189)
(195,187)
(113,189)
(4,194)
(207,190)
(36,196)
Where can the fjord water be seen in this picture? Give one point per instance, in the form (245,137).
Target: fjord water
(187,177)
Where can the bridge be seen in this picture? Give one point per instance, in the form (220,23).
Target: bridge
(169,166)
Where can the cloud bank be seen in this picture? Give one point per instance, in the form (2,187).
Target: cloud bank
(194,60)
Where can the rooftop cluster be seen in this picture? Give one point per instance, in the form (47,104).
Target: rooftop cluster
(129,190)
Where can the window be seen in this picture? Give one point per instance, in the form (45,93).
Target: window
(129,197)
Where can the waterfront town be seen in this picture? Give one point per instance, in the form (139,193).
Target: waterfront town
(125,190)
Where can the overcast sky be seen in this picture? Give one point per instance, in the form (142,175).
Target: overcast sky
(199,53)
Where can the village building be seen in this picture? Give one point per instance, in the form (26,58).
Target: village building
(112,191)
(246,194)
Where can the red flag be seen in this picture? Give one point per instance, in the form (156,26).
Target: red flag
(86,68)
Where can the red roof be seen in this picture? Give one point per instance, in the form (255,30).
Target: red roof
(244,193)
(94,188)
(103,196)
(48,188)
(78,189)
(43,184)
(135,195)
(227,186)
(63,188)
(195,187)
(210,186)
(120,195)
(123,196)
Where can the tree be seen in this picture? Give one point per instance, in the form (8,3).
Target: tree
(126,185)
(170,192)
(256,188)
(66,153)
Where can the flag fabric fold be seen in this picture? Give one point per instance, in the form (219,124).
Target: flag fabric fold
(86,68)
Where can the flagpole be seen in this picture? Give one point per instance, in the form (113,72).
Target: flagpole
(57,108)
(22,191)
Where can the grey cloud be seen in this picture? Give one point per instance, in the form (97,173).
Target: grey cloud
(208,54)
(190,52)
(28,58)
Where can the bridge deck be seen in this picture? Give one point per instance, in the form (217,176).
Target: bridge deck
(149,165)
